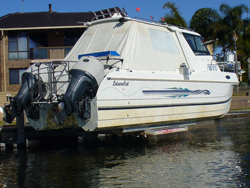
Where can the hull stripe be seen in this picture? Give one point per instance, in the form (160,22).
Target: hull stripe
(160,106)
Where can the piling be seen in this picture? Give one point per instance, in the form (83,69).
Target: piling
(21,140)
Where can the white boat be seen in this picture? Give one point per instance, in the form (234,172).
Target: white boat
(125,73)
(228,64)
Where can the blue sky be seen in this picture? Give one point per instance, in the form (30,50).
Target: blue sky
(147,7)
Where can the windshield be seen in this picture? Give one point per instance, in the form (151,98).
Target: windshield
(196,44)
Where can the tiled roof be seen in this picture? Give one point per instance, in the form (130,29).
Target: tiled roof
(44,19)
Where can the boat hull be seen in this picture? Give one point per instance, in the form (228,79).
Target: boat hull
(152,115)
(126,99)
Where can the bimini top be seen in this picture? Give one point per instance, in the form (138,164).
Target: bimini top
(141,45)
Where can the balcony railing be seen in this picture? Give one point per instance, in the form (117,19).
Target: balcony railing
(49,52)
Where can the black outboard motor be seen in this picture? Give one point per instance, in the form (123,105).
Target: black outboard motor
(21,101)
(85,78)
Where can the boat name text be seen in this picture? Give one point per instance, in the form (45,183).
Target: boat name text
(117,83)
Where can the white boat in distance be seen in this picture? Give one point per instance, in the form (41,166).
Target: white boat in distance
(125,73)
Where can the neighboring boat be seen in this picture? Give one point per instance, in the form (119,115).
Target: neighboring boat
(125,73)
(228,63)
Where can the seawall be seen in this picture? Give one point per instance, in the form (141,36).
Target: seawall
(240,102)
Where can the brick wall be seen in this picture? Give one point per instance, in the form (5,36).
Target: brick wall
(9,64)
(55,39)
(1,63)
(12,64)
(56,53)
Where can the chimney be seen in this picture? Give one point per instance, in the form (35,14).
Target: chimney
(50,8)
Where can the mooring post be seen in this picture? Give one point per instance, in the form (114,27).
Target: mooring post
(248,70)
(21,141)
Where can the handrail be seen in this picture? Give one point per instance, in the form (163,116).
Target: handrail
(54,47)
(47,52)
(53,80)
(224,63)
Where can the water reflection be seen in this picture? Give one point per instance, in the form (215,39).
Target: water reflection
(210,154)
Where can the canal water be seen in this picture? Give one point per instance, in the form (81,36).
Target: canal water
(210,154)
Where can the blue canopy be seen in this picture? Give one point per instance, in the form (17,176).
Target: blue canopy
(101,54)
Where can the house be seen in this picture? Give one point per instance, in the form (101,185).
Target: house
(26,38)
(35,36)
(210,46)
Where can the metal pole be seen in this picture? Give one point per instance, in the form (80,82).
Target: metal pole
(248,70)
(235,59)
(235,38)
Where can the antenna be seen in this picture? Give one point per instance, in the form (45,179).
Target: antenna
(22,6)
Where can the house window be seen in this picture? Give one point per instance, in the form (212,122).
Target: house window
(15,75)
(36,41)
(18,45)
(70,38)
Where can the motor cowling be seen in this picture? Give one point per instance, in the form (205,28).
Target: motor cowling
(84,80)
(22,100)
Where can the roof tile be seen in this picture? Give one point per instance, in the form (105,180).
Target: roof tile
(44,19)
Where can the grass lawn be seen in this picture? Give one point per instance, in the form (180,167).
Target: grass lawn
(3,123)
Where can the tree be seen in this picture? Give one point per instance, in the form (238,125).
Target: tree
(243,46)
(204,21)
(231,23)
(174,17)
(223,25)
(214,25)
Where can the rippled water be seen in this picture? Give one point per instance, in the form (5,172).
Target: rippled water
(210,154)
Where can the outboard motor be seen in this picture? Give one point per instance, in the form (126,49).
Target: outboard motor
(84,79)
(21,101)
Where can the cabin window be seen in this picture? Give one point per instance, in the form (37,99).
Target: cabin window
(18,45)
(196,44)
(15,76)
(163,41)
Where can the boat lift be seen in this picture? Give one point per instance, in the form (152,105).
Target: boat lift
(18,134)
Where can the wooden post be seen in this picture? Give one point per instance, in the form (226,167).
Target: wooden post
(248,70)
(21,141)
(22,167)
